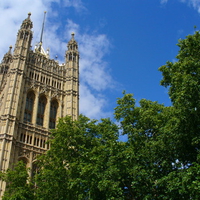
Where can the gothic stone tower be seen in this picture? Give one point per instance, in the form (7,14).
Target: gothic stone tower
(34,92)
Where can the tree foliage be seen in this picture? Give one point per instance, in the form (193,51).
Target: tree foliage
(159,160)
(183,80)
(82,162)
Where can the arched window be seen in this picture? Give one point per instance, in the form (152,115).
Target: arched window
(29,107)
(70,56)
(53,113)
(41,109)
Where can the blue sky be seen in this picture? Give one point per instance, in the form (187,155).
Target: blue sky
(122,43)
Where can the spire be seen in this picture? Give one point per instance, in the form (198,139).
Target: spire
(72,34)
(72,44)
(72,53)
(40,44)
(10,48)
(72,38)
(27,23)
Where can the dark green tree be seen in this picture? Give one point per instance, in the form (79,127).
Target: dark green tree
(150,147)
(182,78)
(17,186)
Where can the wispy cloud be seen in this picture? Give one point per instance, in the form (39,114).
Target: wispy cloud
(77,4)
(93,47)
(163,1)
(194,3)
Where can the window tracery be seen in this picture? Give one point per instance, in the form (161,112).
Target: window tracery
(29,107)
(41,109)
(53,114)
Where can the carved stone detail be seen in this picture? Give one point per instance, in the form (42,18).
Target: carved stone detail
(33,84)
(55,93)
(44,90)
(24,153)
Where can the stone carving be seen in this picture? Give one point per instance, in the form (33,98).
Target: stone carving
(55,93)
(33,84)
(44,90)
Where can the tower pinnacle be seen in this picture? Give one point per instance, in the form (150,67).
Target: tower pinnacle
(29,14)
(27,23)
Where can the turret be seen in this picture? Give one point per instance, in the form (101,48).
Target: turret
(4,66)
(7,57)
(72,83)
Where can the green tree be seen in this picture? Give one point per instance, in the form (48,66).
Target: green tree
(159,160)
(149,149)
(83,162)
(17,186)
(163,142)
(183,80)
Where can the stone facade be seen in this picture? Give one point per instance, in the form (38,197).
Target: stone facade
(34,92)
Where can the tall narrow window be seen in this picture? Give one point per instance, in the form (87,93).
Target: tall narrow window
(29,107)
(41,108)
(53,113)
(34,170)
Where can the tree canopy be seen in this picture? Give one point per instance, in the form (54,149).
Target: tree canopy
(159,160)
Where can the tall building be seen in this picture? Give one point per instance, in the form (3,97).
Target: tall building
(34,92)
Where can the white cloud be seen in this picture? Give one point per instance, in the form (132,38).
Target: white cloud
(93,67)
(194,3)
(94,72)
(13,12)
(92,104)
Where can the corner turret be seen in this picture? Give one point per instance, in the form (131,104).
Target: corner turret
(72,53)
(7,57)
(4,67)
(24,37)
(72,83)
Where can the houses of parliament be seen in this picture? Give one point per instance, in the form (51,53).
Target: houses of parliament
(35,91)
